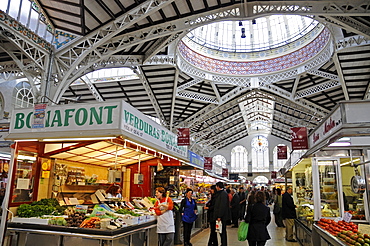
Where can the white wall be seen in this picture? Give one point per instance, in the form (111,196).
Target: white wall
(246,142)
(6,90)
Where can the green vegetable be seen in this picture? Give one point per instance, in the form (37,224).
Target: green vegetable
(127,211)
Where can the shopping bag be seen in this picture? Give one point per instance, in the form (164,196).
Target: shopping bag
(243,231)
(276,209)
(219,226)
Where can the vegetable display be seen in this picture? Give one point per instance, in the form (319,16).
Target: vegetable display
(40,208)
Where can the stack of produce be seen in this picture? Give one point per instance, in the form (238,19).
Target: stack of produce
(345,231)
(43,207)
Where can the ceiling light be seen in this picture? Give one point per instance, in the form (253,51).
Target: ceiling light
(75,139)
(339,144)
(26,157)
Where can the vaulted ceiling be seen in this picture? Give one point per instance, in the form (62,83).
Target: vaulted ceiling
(143,35)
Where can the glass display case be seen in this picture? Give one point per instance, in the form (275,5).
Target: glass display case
(304,193)
(328,188)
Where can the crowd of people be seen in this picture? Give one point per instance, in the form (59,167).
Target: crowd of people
(228,206)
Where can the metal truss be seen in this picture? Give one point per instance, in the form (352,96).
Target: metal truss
(299,104)
(317,89)
(229,140)
(352,42)
(323,74)
(10,71)
(281,134)
(350,24)
(202,133)
(159,45)
(341,76)
(232,94)
(294,121)
(151,96)
(92,89)
(189,84)
(332,8)
(197,96)
(30,51)
(224,134)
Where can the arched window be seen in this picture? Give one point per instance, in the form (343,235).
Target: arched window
(23,96)
(260,154)
(219,162)
(239,159)
(279,163)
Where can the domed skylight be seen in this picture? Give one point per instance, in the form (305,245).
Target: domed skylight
(252,35)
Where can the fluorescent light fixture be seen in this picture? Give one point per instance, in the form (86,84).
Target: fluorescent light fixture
(344,139)
(5,156)
(26,140)
(340,144)
(349,162)
(325,163)
(75,139)
(26,157)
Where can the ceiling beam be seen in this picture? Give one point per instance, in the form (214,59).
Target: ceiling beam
(323,74)
(315,89)
(174,92)
(92,89)
(340,75)
(197,96)
(189,84)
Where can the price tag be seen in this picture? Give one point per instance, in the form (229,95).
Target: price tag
(347,217)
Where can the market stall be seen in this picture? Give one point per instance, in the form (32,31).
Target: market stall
(329,179)
(74,153)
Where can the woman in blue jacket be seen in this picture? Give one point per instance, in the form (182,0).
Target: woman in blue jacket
(258,216)
(188,210)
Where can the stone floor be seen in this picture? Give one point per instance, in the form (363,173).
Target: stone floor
(277,237)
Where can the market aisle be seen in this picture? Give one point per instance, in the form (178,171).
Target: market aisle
(277,237)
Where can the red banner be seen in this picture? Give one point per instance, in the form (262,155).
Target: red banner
(299,138)
(207,163)
(183,136)
(273,175)
(282,152)
(225,172)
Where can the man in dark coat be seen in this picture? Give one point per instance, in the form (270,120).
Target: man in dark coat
(210,206)
(243,203)
(221,211)
(289,214)
(235,208)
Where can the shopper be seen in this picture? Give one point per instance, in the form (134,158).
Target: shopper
(165,222)
(222,210)
(235,208)
(243,202)
(210,206)
(289,214)
(113,191)
(188,210)
(258,216)
(278,202)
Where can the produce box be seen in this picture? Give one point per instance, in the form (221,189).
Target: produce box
(32,220)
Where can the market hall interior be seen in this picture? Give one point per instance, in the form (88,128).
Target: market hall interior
(102,102)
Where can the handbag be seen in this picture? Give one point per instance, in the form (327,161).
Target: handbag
(243,231)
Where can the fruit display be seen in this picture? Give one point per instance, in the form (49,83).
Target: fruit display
(75,219)
(347,232)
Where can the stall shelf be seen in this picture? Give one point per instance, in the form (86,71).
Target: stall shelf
(338,152)
(30,234)
(105,135)
(321,238)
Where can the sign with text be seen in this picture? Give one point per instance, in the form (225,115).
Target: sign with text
(282,152)
(299,138)
(207,163)
(183,136)
(225,172)
(39,115)
(195,159)
(234,176)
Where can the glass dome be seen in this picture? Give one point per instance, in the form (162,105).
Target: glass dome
(252,35)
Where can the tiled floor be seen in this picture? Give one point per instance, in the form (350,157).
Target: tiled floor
(277,237)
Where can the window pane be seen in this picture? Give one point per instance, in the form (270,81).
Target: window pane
(34,20)
(4,5)
(14,8)
(25,12)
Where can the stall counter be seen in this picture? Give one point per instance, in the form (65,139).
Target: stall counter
(46,235)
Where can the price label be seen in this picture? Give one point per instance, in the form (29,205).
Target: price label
(347,217)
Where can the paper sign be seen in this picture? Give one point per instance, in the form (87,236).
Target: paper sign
(347,217)
(364,229)
(45,174)
(23,184)
(74,201)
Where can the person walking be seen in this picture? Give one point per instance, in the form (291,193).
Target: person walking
(210,206)
(289,214)
(278,202)
(165,222)
(235,208)
(258,216)
(243,202)
(222,210)
(188,210)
